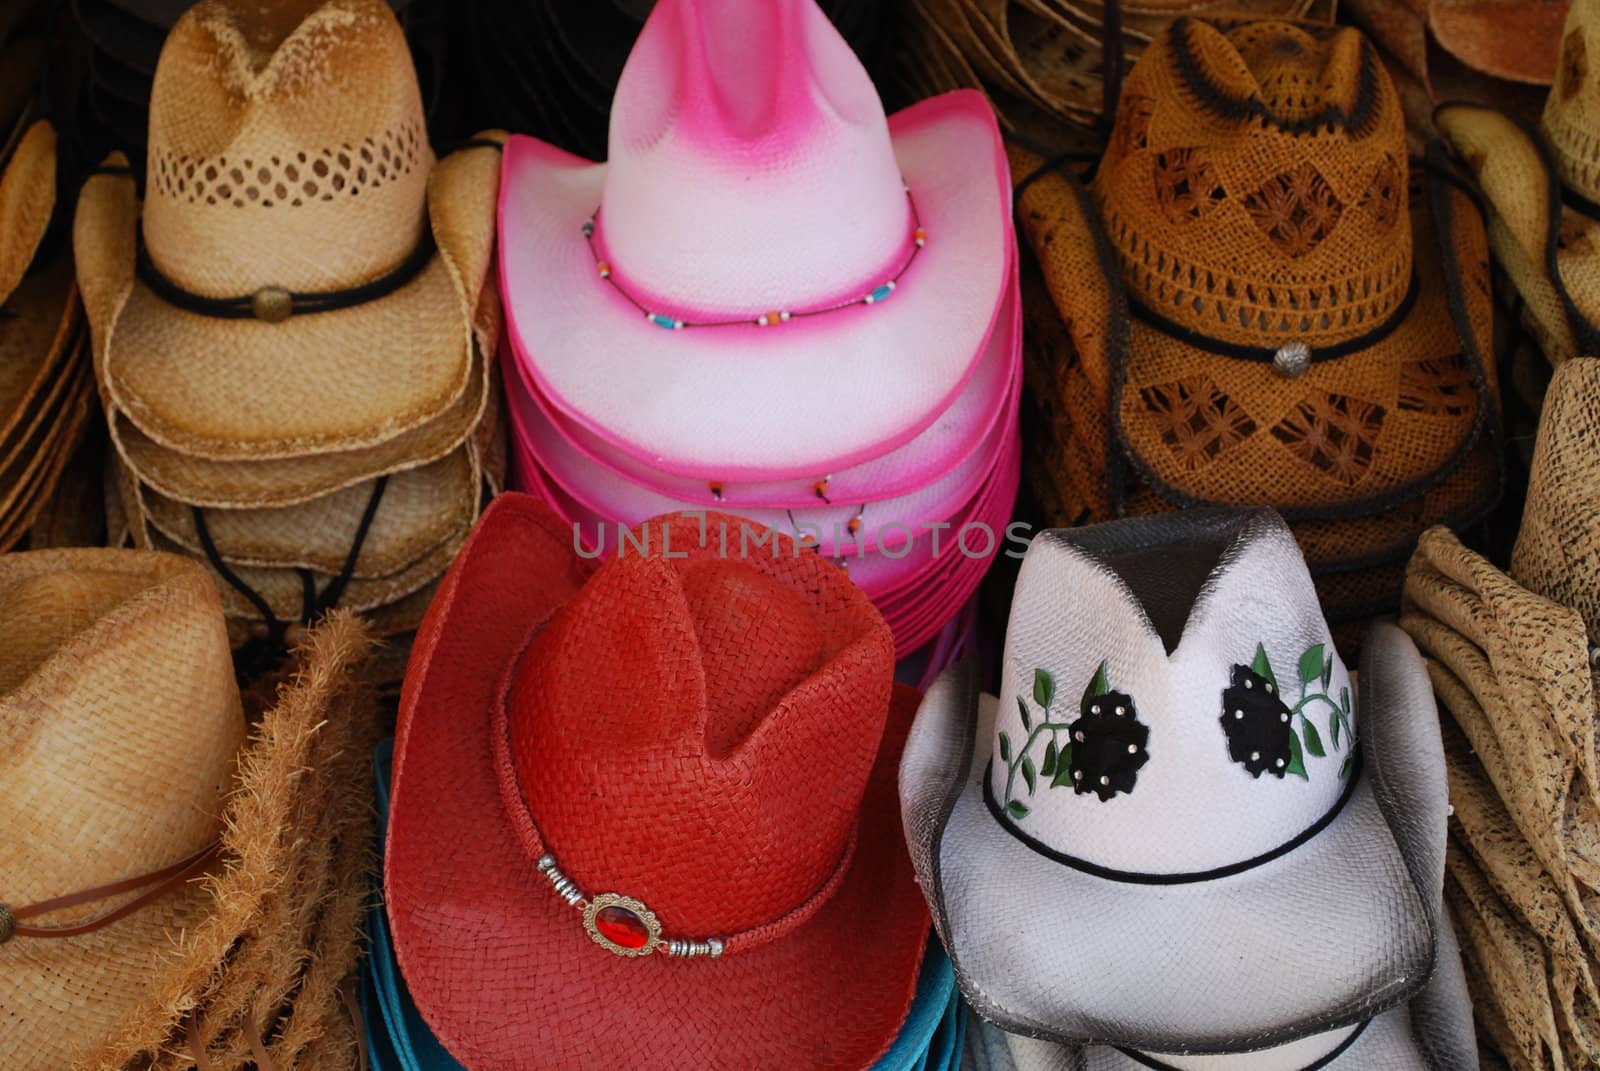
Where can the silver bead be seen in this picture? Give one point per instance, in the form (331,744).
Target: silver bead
(1291,361)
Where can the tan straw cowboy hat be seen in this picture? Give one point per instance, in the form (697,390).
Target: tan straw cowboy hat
(188,884)
(1260,302)
(290,332)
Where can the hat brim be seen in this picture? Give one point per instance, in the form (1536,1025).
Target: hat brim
(694,402)
(1513,168)
(1417,399)
(27,202)
(471,917)
(420,509)
(965,427)
(1040,948)
(1432,1033)
(916,590)
(277,483)
(221,390)
(1517,40)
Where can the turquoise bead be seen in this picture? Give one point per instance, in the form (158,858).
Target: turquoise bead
(880,294)
(665,322)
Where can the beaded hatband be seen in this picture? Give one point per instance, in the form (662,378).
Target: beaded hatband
(877,295)
(622,924)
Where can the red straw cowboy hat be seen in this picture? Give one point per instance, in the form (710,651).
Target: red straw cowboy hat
(644,813)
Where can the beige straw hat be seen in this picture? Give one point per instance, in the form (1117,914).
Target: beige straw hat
(125,753)
(292,207)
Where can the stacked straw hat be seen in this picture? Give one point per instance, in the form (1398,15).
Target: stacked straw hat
(46,382)
(293,332)
(1052,68)
(775,302)
(549,68)
(931,1039)
(1514,659)
(1543,190)
(1224,855)
(190,888)
(1259,302)
(664,788)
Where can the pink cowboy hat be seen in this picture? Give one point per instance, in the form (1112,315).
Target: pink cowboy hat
(970,423)
(917,590)
(753,177)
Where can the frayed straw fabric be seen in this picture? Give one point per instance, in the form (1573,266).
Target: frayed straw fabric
(714,734)
(1222,228)
(1513,663)
(330,440)
(1541,185)
(129,749)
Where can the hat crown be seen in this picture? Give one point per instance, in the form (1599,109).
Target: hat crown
(751,168)
(287,148)
(119,718)
(1572,110)
(1208,681)
(1255,185)
(697,732)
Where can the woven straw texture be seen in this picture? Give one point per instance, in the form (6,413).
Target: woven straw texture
(288,150)
(1040,61)
(1256,193)
(1512,670)
(1076,326)
(728,685)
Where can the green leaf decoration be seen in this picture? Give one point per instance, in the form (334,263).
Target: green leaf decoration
(1349,760)
(1344,701)
(1017,809)
(1048,770)
(1098,686)
(1029,774)
(1005,748)
(1297,759)
(1044,688)
(1333,727)
(1263,667)
(1327,673)
(1313,739)
(1063,768)
(1022,708)
(1312,663)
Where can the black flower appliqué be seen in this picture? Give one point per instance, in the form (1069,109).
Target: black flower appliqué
(1256,722)
(1266,734)
(1100,752)
(1108,744)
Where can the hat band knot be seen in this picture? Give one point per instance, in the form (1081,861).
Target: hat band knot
(275,304)
(876,294)
(150,887)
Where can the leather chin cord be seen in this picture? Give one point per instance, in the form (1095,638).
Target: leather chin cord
(154,885)
(258,1048)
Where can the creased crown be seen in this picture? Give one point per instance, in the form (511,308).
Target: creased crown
(1572,110)
(1256,183)
(697,727)
(119,717)
(287,148)
(750,162)
(1190,653)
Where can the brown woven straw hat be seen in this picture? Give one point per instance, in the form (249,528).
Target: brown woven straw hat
(292,207)
(1543,190)
(126,751)
(1296,298)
